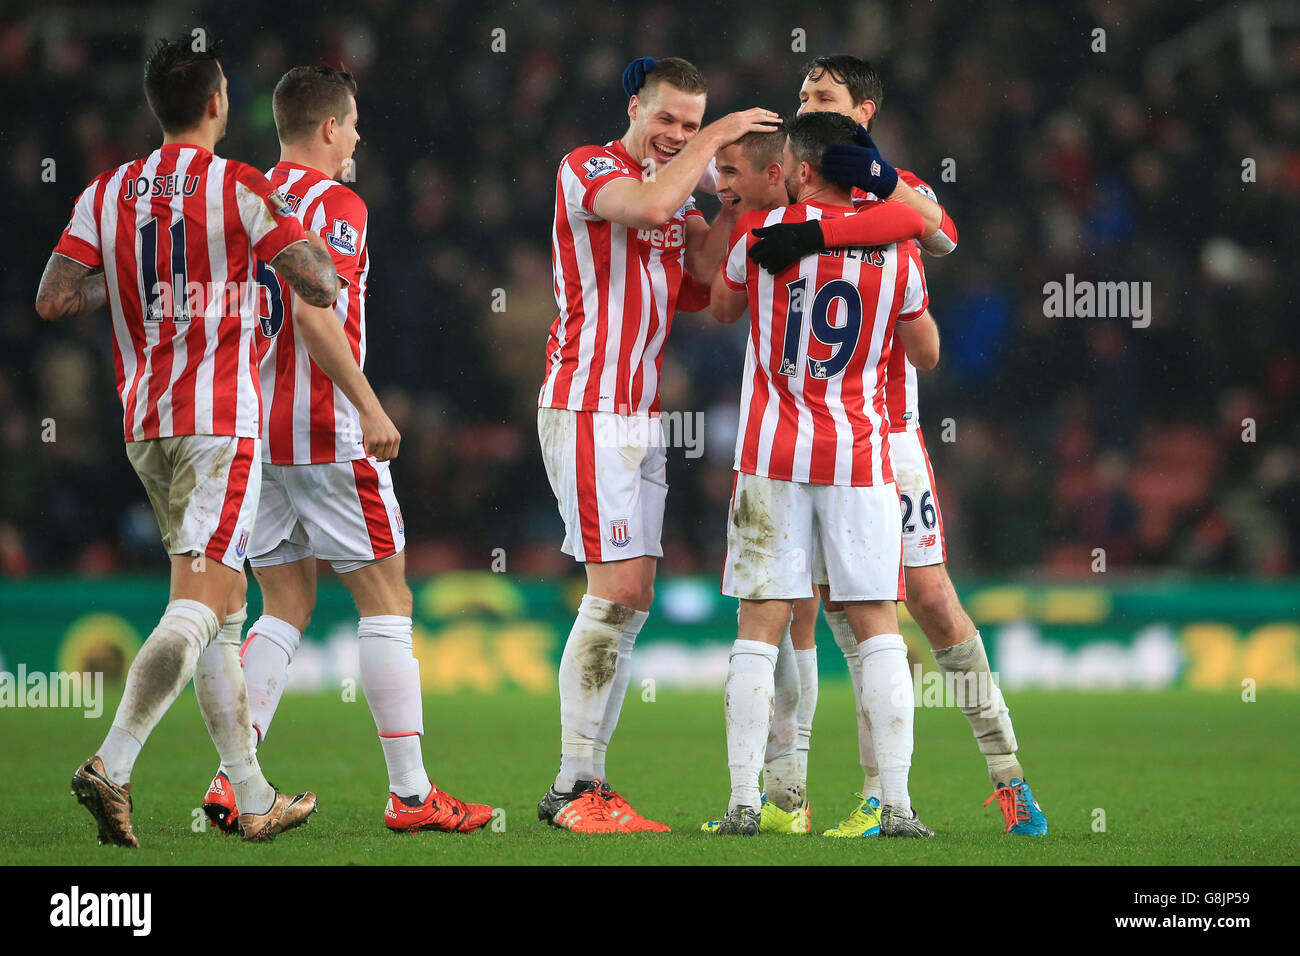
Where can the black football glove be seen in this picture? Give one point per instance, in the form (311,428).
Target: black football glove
(785,243)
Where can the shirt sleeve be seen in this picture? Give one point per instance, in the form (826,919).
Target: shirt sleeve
(80,239)
(341,219)
(737,265)
(585,172)
(875,224)
(944,239)
(266,217)
(916,297)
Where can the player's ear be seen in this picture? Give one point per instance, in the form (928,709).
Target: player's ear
(329,129)
(632,105)
(868,110)
(774,173)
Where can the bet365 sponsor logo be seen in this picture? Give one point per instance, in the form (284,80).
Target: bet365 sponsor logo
(74,909)
(671,236)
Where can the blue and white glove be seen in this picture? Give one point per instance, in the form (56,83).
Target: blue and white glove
(860,165)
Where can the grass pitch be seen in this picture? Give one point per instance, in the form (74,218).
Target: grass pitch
(1182,778)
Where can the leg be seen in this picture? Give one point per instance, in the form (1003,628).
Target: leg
(959,652)
(616,605)
(288,598)
(803,628)
(390,674)
(847,642)
(781,781)
(749,695)
(204,538)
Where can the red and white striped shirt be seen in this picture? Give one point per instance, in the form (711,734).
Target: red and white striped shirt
(812,406)
(306,418)
(616,288)
(901,393)
(176,233)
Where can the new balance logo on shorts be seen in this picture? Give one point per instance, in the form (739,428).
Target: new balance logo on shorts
(928,540)
(618,535)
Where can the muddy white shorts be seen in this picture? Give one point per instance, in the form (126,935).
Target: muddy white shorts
(609,475)
(342,512)
(923,542)
(204,491)
(784,536)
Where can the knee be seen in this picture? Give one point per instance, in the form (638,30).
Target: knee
(633,594)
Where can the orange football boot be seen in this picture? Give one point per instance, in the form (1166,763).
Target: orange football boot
(439,811)
(219,805)
(583,810)
(626,815)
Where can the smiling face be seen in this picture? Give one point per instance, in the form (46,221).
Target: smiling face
(740,181)
(664,121)
(825,94)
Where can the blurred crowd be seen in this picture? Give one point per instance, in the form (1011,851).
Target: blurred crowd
(1170,447)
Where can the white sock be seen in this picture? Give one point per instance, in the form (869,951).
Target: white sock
(588,667)
(266,657)
(807,662)
(618,691)
(888,697)
(223,702)
(966,665)
(157,675)
(848,644)
(390,677)
(749,700)
(781,780)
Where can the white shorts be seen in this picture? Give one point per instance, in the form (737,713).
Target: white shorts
(923,543)
(343,512)
(781,535)
(609,475)
(204,491)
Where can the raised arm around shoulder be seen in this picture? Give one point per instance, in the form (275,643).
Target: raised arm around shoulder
(68,288)
(645,204)
(309,270)
(920,340)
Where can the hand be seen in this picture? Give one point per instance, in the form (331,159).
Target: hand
(634,75)
(380,435)
(860,165)
(735,125)
(785,243)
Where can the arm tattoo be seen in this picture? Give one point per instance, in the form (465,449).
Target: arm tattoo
(68,288)
(310,271)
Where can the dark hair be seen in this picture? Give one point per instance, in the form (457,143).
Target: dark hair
(762,148)
(858,75)
(677,72)
(811,133)
(307,96)
(178,79)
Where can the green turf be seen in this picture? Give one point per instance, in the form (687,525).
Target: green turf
(1182,777)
